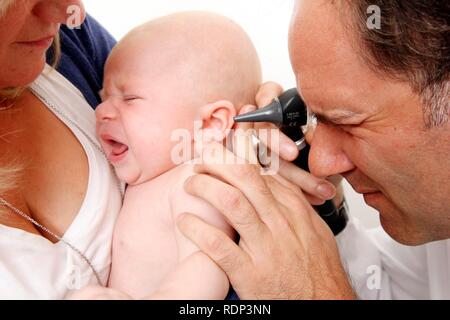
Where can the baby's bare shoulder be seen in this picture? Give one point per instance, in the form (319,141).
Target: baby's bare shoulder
(180,201)
(177,178)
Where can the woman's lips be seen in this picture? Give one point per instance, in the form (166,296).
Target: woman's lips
(41,43)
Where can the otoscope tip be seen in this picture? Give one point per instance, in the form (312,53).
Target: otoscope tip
(272,113)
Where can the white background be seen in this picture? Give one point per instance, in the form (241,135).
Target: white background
(267,23)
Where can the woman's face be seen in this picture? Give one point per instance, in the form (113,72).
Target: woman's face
(27,30)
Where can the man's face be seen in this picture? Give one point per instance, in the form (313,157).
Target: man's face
(370,128)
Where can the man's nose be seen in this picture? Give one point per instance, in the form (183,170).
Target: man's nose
(326,157)
(105,112)
(69,12)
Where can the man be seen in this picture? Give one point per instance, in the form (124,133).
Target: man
(381,98)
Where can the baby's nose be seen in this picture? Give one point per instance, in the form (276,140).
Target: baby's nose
(105,112)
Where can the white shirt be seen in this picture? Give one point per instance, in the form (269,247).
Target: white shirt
(381,268)
(31,267)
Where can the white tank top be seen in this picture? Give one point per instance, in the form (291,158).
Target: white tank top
(31,267)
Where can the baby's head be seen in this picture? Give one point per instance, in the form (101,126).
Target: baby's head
(165,75)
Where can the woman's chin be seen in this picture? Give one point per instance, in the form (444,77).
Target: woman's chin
(23,77)
(36,70)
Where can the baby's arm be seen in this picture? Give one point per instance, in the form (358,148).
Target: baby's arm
(97,293)
(196,276)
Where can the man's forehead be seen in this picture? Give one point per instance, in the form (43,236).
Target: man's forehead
(331,75)
(322,47)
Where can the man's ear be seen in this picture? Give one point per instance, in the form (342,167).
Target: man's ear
(218,118)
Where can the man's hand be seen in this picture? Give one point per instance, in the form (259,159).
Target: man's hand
(316,190)
(267,92)
(285,251)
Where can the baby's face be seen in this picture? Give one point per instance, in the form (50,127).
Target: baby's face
(142,106)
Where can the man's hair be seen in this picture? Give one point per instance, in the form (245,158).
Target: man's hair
(413,45)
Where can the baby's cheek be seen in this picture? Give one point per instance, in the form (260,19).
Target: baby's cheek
(155,158)
(155,148)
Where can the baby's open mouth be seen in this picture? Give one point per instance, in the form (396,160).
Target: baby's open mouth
(118,149)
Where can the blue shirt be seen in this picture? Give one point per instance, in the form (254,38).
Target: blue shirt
(83,56)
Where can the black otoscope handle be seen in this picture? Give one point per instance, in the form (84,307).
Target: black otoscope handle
(335,218)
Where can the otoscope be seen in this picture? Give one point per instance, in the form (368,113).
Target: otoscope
(289,113)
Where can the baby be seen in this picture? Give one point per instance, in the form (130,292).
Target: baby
(163,76)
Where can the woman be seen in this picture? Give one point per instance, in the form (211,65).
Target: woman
(64,182)
(59,197)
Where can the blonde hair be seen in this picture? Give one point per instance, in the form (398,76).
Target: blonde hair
(10,170)
(9,177)
(4,6)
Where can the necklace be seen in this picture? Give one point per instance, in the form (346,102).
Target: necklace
(73,123)
(34,222)
(7,107)
(37,224)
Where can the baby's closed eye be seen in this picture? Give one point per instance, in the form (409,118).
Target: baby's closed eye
(131,98)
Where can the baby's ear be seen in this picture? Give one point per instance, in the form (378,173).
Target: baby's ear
(218,118)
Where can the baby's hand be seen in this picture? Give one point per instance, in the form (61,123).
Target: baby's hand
(97,293)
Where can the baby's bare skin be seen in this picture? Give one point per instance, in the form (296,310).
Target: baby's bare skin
(161,77)
(151,255)
(151,258)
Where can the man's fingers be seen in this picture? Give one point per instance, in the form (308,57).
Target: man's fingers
(314,200)
(277,141)
(245,126)
(230,202)
(267,92)
(245,146)
(296,219)
(316,187)
(286,183)
(285,146)
(243,138)
(244,177)
(295,188)
(217,245)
